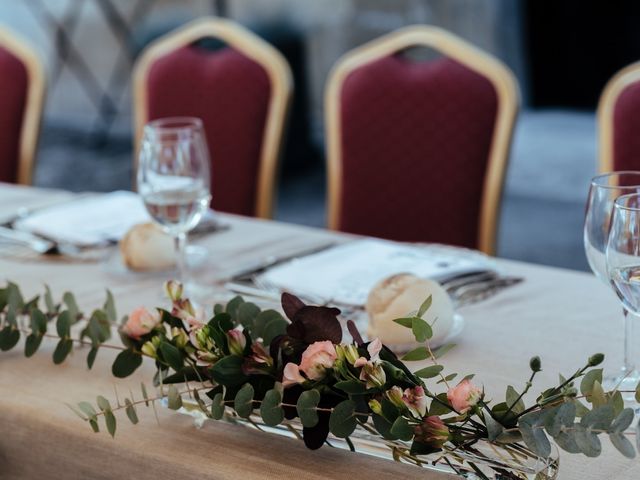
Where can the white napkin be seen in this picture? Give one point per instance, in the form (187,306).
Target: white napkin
(345,274)
(88,221)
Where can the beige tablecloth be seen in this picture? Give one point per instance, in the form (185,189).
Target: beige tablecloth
(562,316)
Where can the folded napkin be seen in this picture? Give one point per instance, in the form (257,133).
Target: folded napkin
(346,273)
(89,221)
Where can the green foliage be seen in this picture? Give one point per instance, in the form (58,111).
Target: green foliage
(401,429)
(217,406)
(243,404)
(70,301)
(110,307)
(174,400)
(306,408)
(417,354)
(131,411)
(172,356)
(271,409)
(426,305)
(429,372)
(342,421)
(126,363)
(64,347)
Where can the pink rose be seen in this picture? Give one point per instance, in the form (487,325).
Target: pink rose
(317,358)
(416,401)
(140,322)
(464,396)
(236,341)
(291,375)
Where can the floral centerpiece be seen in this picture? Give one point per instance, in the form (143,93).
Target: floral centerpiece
(256,366)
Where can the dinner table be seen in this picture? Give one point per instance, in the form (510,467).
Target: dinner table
(561,315)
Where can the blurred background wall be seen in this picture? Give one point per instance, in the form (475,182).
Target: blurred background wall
(561,51)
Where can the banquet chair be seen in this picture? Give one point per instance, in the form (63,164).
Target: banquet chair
(619,121)
(240,90)
(417,150)
(22,91)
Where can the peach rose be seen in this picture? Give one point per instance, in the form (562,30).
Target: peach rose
(291,375)
(464,396)
(140,322)
(317,358)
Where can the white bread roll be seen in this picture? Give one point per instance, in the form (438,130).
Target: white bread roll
(401,296)
(146,247)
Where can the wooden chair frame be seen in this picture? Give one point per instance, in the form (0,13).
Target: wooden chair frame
(453,47)
(606,106)
(32,117)
(258,50)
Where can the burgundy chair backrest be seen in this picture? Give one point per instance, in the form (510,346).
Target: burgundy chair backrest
(626,129)
(415,143)
(14,86)
(230,93)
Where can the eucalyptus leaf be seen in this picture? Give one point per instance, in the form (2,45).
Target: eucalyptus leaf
(623,420)
(88,409)
(271,409)
(401,429)
(131,411)
(429,372)
(421,330)
(32,344)
(63,348)
(9,337)
(262,320)
(63,324)
(494,429)
(243,403)
(442,350)
(70,301)
(126,363)
(342,421)
(110,421)
(233,305)
(592,376)
(405,322)
(562,416)
(91,357)
(103,404)
(567,442)
(274,328)
(587,442)
(110,307)
(174,399)
(48,300)
(38,322)
(417,354)
(515,403)
(247,313)
(217,406)
(637,396)
(622,444)
(426,305)
(306,408)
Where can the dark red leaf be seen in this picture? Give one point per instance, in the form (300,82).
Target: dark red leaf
(320,323)
(291,304)
(353,330)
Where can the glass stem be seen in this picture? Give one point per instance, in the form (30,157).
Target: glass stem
(629,354)
(180,241)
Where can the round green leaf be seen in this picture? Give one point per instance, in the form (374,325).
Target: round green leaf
(126,363)
(63,324)
(271,409)
(172,356)
(243,403)
(9,337)
(342,421)
(217,406)
(306,407)
(32,344)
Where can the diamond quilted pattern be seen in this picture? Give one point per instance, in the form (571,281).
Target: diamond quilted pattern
(230,93)
(415,143)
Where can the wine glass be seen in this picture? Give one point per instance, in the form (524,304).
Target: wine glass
(604,190)
(173,178)
(623,254)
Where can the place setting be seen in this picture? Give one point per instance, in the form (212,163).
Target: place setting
(259,248)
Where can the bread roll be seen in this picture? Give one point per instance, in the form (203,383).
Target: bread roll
(401,296)
(147,248)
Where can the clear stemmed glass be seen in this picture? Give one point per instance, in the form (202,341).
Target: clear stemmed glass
(604,190)
(173,178)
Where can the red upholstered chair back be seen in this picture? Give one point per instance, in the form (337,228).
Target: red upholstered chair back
(619,121)
(412,143)
(21,95)
(238,91)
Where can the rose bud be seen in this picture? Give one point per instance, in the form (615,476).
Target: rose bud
(347,353)
(180,337)
(236,341)
(375,406)
(149,349)
(432,431)
(140,322)
(317,358)
(173,289)
(464,396)
(394,394)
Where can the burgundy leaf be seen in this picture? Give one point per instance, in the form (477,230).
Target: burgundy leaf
(291,304)
(353,330)
(320,323)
